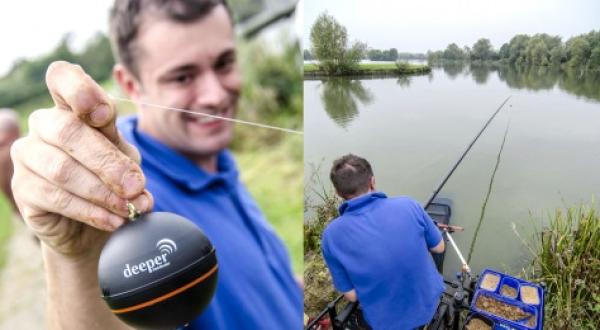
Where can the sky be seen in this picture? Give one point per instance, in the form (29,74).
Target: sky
(31,28)
(420,25)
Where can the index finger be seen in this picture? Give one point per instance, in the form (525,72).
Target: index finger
(73,89)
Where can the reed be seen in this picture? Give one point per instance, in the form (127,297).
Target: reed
(318,286)
(567,261)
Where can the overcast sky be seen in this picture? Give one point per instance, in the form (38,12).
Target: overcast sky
(419,25)
(30,28)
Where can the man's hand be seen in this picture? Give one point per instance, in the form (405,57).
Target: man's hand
(73,173)
(73,176)
(351,295)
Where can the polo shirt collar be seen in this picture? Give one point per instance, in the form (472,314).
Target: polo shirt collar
(179,168)
(360,202)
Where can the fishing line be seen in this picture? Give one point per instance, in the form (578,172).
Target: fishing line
(487,196)
(234,120)
(460,159)
(435,192)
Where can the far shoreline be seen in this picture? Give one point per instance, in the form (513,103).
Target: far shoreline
(369,69)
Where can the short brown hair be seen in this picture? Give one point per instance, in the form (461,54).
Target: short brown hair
(351,175)
(126,17)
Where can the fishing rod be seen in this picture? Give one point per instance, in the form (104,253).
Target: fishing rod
(435,192)
(460,159)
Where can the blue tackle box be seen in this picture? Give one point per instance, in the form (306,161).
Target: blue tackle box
(512,292)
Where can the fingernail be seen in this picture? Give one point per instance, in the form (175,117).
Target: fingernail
(143,203)
(132,183)
(100,115)
(115,221)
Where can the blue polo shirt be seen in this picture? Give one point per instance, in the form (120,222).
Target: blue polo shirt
(379,246)
(256,287)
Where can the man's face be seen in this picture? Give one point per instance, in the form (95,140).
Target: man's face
(188,66)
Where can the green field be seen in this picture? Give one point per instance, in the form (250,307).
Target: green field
(388,68)
(5,227)
(279,189)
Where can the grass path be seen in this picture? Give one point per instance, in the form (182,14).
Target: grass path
(22,283)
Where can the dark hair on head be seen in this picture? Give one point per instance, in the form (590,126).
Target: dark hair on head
(126,17)
(351,175)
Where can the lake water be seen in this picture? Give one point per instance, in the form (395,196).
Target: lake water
(413,129)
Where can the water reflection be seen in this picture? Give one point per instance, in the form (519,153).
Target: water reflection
(581,84)
(480,72)
(403,81)
(453,69)
(574,81)
(532,77)
(340,97)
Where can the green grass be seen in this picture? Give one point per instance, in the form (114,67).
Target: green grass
(5,227)
(567,260)
(310,67)
(377,66)
(273,176)
(318,286)
(391,68)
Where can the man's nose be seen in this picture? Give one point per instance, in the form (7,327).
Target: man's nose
(211,93)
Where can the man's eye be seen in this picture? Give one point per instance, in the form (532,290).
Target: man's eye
(225,64)
(183,79)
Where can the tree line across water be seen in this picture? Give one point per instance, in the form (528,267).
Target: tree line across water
(582,51)
(336,56)
(372,54)
(330,46)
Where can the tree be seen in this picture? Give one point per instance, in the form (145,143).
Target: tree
(453,52)
(578,51)
(97,58)
(538,53)
(504,51)
(307,55)
(433,57)
(382,55)
(393,54)
(482,50)
(517,47)
(329,45)
(594,63)
(556,55)
(374,54)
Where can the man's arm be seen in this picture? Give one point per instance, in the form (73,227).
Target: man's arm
(438,248)
(73,176)
(351,295)
(433,236)
(74,300)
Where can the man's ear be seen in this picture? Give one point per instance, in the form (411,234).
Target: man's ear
(372,184)
(127,81)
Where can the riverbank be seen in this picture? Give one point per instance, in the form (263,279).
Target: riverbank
(371,69)
(565,256)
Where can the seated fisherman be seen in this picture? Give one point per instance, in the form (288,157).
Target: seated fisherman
(378,250)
